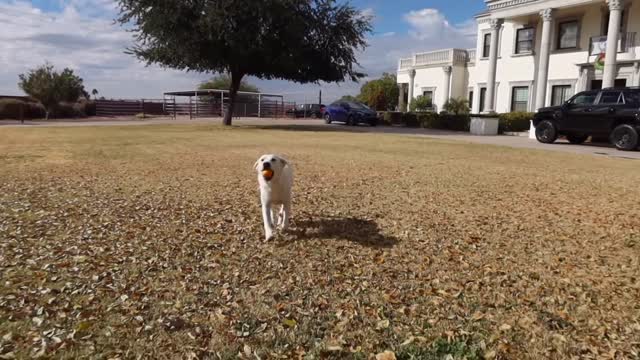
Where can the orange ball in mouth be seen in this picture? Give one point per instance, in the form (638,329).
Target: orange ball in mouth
(267,173)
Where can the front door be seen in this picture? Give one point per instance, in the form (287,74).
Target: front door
(618,83)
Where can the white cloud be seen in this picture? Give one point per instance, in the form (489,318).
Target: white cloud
(82,36)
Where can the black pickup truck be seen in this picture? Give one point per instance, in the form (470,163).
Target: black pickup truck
(611,112)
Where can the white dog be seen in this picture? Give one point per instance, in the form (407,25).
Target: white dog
(275,176)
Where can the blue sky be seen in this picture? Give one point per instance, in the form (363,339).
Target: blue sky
(80,34)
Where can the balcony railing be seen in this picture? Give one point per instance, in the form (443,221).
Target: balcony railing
(439,57)
(626,43)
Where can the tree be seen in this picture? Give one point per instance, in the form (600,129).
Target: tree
(381,94)
(94,92)
(421,103)
(50,87)
(304,41)
(348,98)
(223,81)
(456,106)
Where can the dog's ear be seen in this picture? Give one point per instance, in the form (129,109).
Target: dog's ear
(284,161)
(255,166)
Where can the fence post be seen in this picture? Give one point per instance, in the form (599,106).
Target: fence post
(190,117)
(259,105)
(197,112)
(221,103)
(142,104)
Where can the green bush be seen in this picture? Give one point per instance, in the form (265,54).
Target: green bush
(430,120)
(65,110)
(410,120)
(456,122)
(392,118)
(86,107)
(421,103)
(514,122)
(10,109)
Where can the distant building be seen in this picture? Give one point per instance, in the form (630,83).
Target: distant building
(530,54)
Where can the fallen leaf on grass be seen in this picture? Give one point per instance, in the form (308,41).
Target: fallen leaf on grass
(387,355)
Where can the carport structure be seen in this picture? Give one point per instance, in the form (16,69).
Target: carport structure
(214,102)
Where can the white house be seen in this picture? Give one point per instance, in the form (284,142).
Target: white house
(530,54)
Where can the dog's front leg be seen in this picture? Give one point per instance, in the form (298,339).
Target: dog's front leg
(285,214)
(268,223)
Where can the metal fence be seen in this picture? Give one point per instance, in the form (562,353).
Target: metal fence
(130,107)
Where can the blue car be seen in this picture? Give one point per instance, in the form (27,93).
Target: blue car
(351,113)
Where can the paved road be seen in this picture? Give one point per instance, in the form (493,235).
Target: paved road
(318,125)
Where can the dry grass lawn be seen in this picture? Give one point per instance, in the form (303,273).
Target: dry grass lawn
(119,242)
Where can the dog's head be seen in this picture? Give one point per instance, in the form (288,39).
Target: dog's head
(270,166)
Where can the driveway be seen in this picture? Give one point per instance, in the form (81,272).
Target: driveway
(319,125)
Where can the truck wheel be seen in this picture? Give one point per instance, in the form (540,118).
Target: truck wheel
(327,119)
(546,132)
(577,138)
(625,137)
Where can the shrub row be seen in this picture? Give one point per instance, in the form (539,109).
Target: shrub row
(430,120)
(514,122)
(509,122)
(11,109)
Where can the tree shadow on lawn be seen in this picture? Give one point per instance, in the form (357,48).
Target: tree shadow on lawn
(310,127)
(360,231)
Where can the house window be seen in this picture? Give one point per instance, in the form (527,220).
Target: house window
(486,45)
(568,34)
(520,98)
(483,97)
(470,99)
(429,95)
(560,94)
(524,40)
(607,15)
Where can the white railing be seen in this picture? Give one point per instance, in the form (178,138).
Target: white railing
(438,57)
(406,63)
(626,43)
(472,55)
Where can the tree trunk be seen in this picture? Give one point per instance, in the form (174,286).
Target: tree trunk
(236,78)
(46,115)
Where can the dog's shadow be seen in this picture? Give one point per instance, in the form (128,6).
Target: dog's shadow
(360,231)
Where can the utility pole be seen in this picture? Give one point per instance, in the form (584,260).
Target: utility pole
(320,98)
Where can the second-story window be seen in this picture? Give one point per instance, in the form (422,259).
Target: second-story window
(568,34)
(486,45)
(524,41)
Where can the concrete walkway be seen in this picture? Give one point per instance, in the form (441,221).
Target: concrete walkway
(318,125)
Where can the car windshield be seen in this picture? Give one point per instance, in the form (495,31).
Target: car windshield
(355,105)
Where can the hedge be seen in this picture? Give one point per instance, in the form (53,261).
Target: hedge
(392,118)
(514,122)
(10,109)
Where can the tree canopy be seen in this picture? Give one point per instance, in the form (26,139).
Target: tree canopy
(223,81)
(380,94)
(50,87)
(298,40)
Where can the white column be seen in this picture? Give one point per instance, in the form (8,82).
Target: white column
(447,83)
(636,72)
(401,105)
(583,81)
(613,34)
(496,24)
(543,63)
(412,77)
